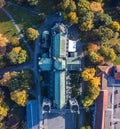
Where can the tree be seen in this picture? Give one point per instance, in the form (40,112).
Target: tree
(115,26)
(3,110)
(32,2)
(107,53)
(93,92)
(102,34)
(95,81)
(87,101)
(20,97)
(96,6)
(2,125)
(2,3)
(14,41)
(92,47)
(2,96)
(6,77)
(86,127)
(102,19)
(86,22)
(3,41)
(88,74)
(17,55)
(73,17)
(94,57)
(83,7)
(20,81)
(32,34)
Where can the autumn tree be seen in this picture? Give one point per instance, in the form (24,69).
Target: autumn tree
(17,55)
(2,3)
(32,34)
(93,92)
(73,17)
(96,6)
(95,81)
(94,57)
(3,110)
(92,47)
(20,97)
(3,41)
(88,74)
(115,26)
(2,125)
(5,79)
(14,41)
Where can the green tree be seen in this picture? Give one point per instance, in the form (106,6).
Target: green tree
(20,97)
(83,7)
(86,22)
(94,57)
(102,34)
(108,53)
(102,19)
(20,81)
(32,34)
(87,101)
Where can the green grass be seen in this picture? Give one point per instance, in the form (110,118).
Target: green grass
(23,18)
(117,61)
(6,26)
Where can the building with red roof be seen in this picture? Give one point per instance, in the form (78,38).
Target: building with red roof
(117,72)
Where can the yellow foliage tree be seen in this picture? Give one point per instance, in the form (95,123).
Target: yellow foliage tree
(96,6)
(116,26)
(3,110)
(16,49)
(88,74)
(14,41)
(3,41)
(95,81)
(73,17)
(5,79)
(20,97)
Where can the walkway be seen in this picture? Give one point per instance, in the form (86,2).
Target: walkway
(24,8)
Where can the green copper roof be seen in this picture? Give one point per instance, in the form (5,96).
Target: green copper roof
(59,81)
(45,64)
(60,64)
(73,63)
(59,45)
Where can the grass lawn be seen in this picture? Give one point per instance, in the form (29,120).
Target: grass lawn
(6,26)
(23,18)
(117,61)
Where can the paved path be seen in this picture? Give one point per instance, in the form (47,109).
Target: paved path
(24,8)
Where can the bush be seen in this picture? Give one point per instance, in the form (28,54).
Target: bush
(42,16)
